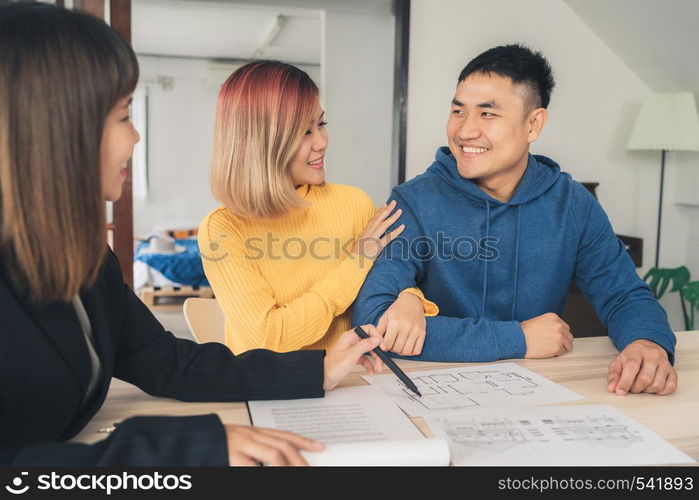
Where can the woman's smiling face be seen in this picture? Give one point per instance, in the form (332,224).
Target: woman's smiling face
(307,165)
(118,140)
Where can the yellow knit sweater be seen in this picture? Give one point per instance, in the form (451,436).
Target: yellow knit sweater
(287,283)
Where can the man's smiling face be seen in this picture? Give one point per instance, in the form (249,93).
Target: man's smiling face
(489,128)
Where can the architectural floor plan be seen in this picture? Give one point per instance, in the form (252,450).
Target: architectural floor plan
(473,388)
(553,435)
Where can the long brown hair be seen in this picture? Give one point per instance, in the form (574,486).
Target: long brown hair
(61,72)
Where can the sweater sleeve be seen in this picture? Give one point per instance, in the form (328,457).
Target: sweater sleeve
(369,210)
(606,275)
(447,338)
(430,307)
(258,319)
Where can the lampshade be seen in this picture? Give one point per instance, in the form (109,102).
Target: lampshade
(666,121)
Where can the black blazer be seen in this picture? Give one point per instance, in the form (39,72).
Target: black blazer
(45,370)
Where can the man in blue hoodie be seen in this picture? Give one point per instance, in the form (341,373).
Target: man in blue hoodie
(494,235)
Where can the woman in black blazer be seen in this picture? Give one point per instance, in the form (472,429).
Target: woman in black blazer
(68,323)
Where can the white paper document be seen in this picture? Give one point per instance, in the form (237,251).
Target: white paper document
(472,388)
(553,435)
(358,425)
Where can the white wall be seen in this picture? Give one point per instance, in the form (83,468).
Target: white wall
(358,97)
(590,116)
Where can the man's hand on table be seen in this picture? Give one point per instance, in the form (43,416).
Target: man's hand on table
(643,366)
(546,336)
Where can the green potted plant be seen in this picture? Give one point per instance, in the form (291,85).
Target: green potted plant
(678,279)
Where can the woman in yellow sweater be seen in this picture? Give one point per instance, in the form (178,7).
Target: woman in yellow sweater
(287,253)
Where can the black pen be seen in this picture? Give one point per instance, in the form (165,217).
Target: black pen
(390,363)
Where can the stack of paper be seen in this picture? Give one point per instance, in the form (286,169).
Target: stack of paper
(358,425)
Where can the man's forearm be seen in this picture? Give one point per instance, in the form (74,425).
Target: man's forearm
(469,340)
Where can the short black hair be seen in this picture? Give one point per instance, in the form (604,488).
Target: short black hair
(521,65)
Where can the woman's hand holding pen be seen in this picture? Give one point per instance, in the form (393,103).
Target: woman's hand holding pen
(348,351)
(372,241)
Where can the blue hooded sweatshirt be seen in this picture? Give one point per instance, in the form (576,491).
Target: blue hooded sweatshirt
(489,264)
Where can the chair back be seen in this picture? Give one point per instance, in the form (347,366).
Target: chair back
(205,319)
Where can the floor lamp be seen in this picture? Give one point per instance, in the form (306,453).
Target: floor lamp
(666,122)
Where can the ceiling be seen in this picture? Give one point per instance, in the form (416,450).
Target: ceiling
(226,30)
(657,39)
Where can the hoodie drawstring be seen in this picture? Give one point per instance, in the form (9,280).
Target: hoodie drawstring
(514,298)
(485,273)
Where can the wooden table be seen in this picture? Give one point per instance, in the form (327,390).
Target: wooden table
(583,370)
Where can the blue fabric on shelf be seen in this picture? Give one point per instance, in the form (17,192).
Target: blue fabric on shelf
(184,268)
